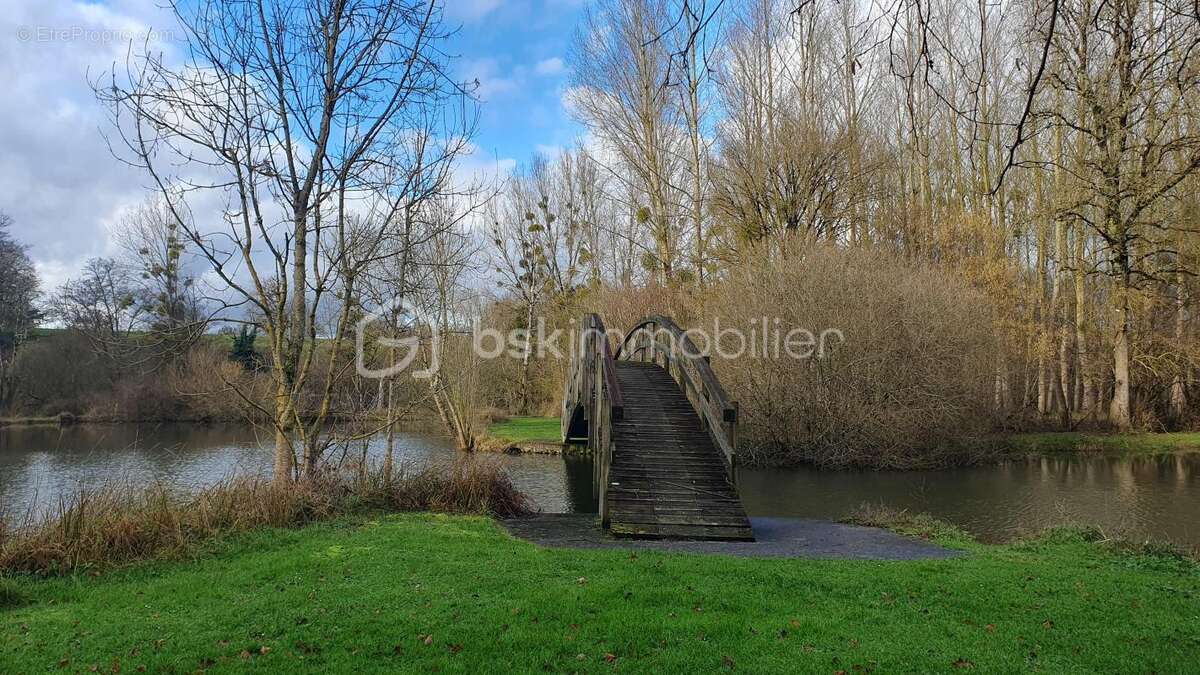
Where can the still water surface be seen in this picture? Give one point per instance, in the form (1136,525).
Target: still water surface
(39,464)
(1155,497)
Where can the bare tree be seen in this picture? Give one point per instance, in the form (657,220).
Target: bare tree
(18,292)
(581,187)
(620,71)
(399,279)
(299,115)
(525,237)
(783,169)
(450,305)
(103,304)
(1130,69)
(693,87)
(156,251)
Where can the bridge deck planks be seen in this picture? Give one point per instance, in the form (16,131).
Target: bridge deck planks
(667,478)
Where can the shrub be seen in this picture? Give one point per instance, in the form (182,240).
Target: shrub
(623,307)
(120,523)
(911,385)
(56,373)
(202,381)
(489,416)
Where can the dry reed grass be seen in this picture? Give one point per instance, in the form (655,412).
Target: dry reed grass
(121,523)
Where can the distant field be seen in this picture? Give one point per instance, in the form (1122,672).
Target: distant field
(1117,444)
(527,429)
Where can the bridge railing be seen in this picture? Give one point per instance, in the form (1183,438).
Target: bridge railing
(593,393)
(658,339)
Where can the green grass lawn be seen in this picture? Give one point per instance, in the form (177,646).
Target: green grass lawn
(1116,444)
(419,593)
(527,429)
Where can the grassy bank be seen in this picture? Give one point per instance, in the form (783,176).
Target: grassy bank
(527,430)
(424,592)
(98,529)
(1054,443)
(55,420)
(546,430)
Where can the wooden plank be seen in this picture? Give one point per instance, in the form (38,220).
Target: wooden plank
(679,453)
(658,513)
(667,478)
(677,467)
(667,500)
(632,518)
(654,487)
(674,477)
(648,484)
(667,494)
(689,532)
(673,509)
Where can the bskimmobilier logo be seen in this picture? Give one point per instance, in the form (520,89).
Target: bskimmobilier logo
(379,324)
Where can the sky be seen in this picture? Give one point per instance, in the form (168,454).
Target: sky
(64,189)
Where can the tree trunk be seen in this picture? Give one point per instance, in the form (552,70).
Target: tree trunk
(1177,404)
(464,438)
(524,408)
(285,457)
(389,455)
(299,312)
(1058,321)
(1119,414)
(1045,306)
(1085,400)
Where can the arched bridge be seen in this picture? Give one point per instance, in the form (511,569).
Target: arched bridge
(662,432)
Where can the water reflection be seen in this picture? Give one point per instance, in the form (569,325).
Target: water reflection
(1146,497)
(581,493)
(40,464)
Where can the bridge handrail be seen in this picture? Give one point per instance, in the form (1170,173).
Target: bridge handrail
(608,365)
(594,356)
(592,386)
(694,374)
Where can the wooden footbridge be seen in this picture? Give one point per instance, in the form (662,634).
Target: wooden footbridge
(662,432)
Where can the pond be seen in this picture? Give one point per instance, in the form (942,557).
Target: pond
(1141,497)
(38,464)
(1157,497)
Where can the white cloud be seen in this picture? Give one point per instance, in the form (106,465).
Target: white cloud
(53,274)
(492,83)
(63,186)
(550,66)
(478,167)
(484,171)
(470,10)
